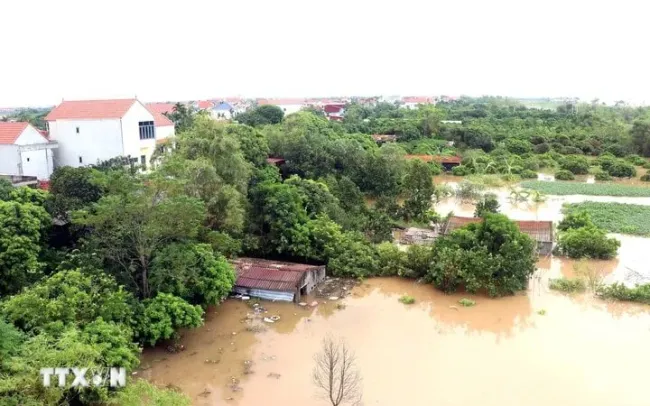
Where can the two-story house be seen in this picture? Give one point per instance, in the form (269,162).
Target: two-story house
(90,131)
(25,151)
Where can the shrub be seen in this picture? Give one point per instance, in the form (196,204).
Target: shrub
(466,302)
(461,170)
(603,176)
(639,293)
(488,204)
(646,165)
(564,175)
(406,299)
(621,169)
(567,285)
(646,177)
(578,165)
(165,314)
(392,261)
(469,192)
(636,160)
(575,219)
(435,168)
(587,242)
(542,148)
(528,174)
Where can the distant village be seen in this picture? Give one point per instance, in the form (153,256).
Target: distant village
(129,127)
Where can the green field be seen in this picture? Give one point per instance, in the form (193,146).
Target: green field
(591,189)
(616,217)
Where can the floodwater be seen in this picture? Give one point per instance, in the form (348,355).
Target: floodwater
(582,351)
(536,348)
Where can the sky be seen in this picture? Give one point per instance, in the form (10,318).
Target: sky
(191,49)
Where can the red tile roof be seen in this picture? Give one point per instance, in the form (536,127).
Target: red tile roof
(272,275)
(159,119)
(161,107)
(437,158)
(91,109)
(416,99)
(9,132)
(384,138)
(275,161)
(333,108)
(204,104)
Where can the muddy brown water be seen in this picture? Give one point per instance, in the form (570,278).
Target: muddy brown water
(580,351)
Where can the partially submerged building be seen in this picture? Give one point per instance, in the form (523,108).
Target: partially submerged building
(447,162)
(417,236)
(276,280)
(540,231)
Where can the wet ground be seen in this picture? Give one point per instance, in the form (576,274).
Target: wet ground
(537,348)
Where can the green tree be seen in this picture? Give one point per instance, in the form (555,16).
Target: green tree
(587,242)
(261,115)
(575,220)
(72,189)
(183,117)
(129,228)
(488,204)
(192,272)
(21,231)
(165,314)
(418,189)
(640,133)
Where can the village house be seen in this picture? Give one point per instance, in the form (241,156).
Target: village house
(447,162)
(25,152)
(334,111)
(417,236)
(412,102)
(287,105)
(540,231)
(382,138)
(90,131)
(222,111)
(276,280)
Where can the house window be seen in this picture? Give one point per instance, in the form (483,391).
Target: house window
(81,160)
(143,161)
(77,130)
(146,130)
(27,159)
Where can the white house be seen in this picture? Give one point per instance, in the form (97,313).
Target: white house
(412,102)
(287,105)
(90,131)
(222,111)
(24,151)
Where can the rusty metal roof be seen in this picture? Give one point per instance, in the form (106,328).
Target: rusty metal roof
(272,275)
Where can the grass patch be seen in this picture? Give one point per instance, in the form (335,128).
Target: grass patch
(589,189)
(406,299)
(490,180)
(618,291)
(615,217)
(466,302)
(568,285)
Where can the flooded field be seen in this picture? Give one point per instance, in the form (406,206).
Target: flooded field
(500,352)
(537,348)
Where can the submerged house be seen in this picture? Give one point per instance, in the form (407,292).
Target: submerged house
(276,280)
(540,231)
(418,236)
(447,162)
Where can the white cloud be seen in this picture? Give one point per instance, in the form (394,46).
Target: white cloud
(163,50)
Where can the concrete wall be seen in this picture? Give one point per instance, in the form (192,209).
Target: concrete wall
(37,159)
(9,160)
(97,140)
(266,294)
(313,278)
(133,145)
(163,132)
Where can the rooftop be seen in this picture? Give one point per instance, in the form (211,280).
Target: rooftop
(90,109)
(9,132)
(437,158)
(541,231)
(159,119)
(258,273)
(280,102)
(161,107)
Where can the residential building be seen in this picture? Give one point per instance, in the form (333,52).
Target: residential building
(334,111)
(287,105)
(90,131)
(25,151)
(412,102)
(163,108)
(222,111)
(275,280)
(447,162)
(540,231)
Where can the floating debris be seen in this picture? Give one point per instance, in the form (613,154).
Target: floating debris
(313,304)
(333,298)
(268,320)
(274,375)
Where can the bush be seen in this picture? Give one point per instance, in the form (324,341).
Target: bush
(392,261)
(587,242)
(488,204)
(621,169)
(575,219)
(461,170)
(435,168)
(636,160)
(603,176)
(466,302)
(165,314)
(578,165)
(406,299)
(567,285)
(528,174)
(646,165)
(564,175)
(639,293)
(542,148)
(646,177)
